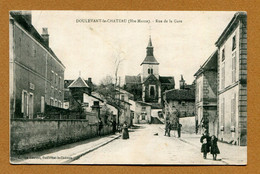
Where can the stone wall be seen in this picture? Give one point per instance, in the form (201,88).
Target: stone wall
(32,135)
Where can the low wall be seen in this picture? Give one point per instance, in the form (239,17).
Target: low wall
(188,124)
(32,135)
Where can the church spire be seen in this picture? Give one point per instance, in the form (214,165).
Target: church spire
(149,49)
(149,59)
(150,42)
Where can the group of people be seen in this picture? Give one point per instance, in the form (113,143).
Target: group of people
(209,144)
(169,126)
(124,129)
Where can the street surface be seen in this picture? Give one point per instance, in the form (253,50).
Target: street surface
(144,147)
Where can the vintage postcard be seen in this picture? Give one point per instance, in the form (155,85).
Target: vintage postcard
(128,87)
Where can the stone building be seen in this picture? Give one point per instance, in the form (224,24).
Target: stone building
(148,86)
(182,100)
(36,73)
(232,81)
(122,99)
(206,96)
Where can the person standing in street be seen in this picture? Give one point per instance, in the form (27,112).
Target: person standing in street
(179,130)
(100,127)
(125,131)
(167,126)
(214,150)
(205,147)
(114,126)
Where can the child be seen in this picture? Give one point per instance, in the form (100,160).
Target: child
(214,147)
(205,140)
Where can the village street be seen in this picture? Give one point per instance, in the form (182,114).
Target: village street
(144,147)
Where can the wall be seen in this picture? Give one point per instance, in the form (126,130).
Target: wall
(138,115)
(31,135)
(90,100)
(32,68)
(155,70)
(188,124)
(237,88)
(185,111)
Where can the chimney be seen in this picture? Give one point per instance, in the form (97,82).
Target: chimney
(182,83)
(90,80)
(45,36)
(90,84)
(27,15)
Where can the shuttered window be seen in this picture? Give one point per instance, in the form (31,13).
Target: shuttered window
(234,67)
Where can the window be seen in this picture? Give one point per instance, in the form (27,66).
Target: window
(233,111)
(51,102)
(24,105)
(56,79)
(143,116)
(223,54)
(122,97)
(223,112)
(60,84)
(143,108)
(234,67)
(151,71)
(152,91)
(223,76)
(42,104)
(52,77)
(30,105)
(234,43)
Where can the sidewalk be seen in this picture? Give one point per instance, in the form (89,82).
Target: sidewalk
(229,154)
(64,154)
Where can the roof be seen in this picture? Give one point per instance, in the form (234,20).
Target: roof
(167,79)
(150,60)
(230,26)
(19,18)
(132,79)
(180,94)
(151,76)
(78,83)
(210,64)
(143,103)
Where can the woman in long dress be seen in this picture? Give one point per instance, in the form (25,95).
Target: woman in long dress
(125,131)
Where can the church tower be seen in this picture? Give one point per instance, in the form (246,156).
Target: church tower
(150,65)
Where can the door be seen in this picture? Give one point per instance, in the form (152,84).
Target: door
(30,106)
(24,104)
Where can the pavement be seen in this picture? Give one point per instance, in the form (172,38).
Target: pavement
(229,154)
(64,154)
(147,146)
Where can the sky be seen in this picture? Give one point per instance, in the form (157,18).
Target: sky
(182,40)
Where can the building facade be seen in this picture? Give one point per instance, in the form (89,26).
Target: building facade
(182,100)
(206,96)
(36,73)
(232,81)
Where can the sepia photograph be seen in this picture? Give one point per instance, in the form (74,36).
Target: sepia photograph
(128,87)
